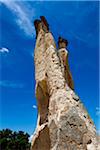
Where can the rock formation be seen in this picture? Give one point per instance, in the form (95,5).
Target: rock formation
(63,122)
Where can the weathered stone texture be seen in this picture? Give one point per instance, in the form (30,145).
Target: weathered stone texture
(63,122)
(63,55)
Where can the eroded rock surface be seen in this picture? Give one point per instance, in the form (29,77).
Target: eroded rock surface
(63,122)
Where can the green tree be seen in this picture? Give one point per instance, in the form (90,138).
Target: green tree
(10,140)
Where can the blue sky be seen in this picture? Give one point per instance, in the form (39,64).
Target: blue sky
(77,21)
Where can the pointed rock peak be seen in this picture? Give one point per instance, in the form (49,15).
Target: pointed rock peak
(38,26)
(44,24)
(62,43)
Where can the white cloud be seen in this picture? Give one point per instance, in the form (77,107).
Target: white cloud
(98,132)
(34,106)
(98,111)
(30,138)
(10,84)
(4,50)
(23,15)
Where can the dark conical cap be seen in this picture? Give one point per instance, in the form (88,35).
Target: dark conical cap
(44,21)
(36,25)
(36,22)
(62,43)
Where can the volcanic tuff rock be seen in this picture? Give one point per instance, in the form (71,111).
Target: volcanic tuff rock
(63,122)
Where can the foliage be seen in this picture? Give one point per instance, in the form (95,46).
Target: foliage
(10,140)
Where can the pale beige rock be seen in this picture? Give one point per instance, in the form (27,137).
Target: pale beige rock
(63,55)
(63,122)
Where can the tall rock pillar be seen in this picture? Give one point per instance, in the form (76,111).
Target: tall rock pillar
(63,122)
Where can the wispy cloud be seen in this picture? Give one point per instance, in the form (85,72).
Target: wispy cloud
(98,111)
(10,84)
(4,50)
(22,14)
(34,106)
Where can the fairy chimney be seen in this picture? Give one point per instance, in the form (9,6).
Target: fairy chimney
(63,122)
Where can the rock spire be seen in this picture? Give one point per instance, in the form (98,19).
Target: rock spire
(63,122)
